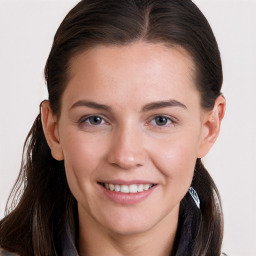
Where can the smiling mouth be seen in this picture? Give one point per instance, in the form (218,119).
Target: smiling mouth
(132,188)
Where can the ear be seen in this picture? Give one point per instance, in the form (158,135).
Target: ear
(50,127)
(211,126)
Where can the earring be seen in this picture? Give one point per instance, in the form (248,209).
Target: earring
(195,196)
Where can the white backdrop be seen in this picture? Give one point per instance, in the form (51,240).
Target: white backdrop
(27,29)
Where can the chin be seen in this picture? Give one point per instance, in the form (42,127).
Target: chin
(129,230)
(129,224)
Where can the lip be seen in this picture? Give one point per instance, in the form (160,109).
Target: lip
(126,182)
(127,198)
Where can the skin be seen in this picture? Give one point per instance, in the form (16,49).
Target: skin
(129,143)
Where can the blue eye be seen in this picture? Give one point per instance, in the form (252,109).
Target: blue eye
(162,121)
(93,120)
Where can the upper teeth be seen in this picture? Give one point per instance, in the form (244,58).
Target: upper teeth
(133,188)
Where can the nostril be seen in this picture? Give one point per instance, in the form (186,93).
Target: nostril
(126,162)
(126,151)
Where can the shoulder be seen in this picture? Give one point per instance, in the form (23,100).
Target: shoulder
(4,252)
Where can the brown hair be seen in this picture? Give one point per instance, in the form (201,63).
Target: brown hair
(42,202)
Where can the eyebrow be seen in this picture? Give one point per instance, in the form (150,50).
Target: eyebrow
(163,104)
(147,107)
(91,104)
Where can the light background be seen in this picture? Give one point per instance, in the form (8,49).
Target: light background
(26,32)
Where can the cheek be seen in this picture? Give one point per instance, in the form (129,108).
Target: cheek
(175,158)
(82,157)
(176,164)
(81,151)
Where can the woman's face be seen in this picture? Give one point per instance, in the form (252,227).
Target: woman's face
(130,120)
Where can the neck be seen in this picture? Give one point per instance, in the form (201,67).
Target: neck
(158,240)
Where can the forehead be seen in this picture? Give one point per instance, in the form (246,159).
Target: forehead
(151,70)
(150,55)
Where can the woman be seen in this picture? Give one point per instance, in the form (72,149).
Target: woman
(112,164)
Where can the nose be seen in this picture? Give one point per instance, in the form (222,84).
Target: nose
(127,150)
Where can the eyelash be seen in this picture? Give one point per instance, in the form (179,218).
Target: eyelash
(86,119)
(170,121)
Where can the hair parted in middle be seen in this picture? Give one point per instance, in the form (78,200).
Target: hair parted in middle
(46,203)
